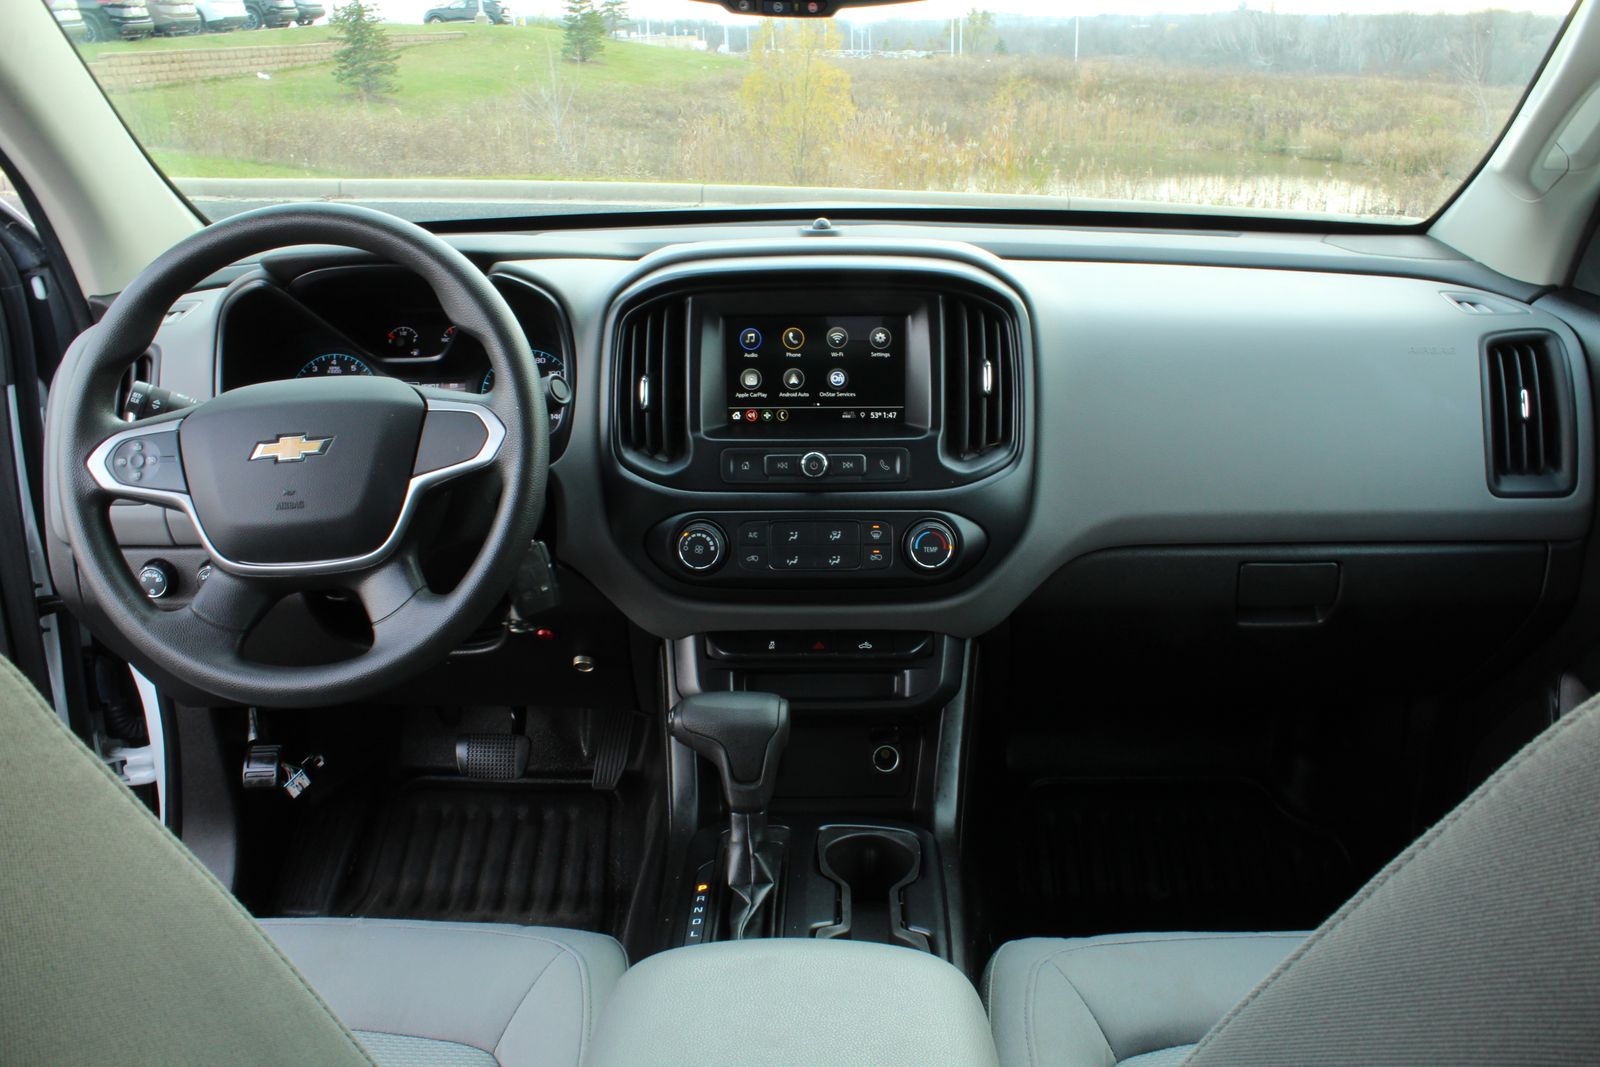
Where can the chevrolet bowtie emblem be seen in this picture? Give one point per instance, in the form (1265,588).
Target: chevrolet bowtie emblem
(291,448)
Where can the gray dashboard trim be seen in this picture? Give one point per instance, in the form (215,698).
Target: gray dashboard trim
(1169,404)
(1176,405)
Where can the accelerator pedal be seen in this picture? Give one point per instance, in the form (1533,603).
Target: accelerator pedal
(611,739)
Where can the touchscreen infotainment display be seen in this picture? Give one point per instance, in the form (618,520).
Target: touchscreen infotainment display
(840,374)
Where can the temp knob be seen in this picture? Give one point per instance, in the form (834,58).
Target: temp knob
(930,544)
(155,578)
(701,546)
(813,464)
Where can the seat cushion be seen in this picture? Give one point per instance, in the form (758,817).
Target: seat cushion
(1136,999)
(437,994)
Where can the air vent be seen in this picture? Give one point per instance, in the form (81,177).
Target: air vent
(1477,304)
(1528,405)
(653,381)
(980,361)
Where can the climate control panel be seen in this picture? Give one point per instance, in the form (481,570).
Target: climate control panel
(796,547)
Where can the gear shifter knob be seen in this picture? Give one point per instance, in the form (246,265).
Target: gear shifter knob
(743,735)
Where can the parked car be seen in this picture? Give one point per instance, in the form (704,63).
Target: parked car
(467,11)
(174,18)
(270,13)
(110,20)
(69,17)
(220,16)
(307,12)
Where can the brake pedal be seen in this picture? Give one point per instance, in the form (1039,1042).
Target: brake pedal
(498,757)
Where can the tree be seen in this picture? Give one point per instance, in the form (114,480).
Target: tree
(614,13)
(795,101)
(366,61)
(584,28)
(979,29)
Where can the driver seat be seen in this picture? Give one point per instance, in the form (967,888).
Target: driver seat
(118,946)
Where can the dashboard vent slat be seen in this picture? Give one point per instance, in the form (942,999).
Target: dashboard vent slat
(652,381)
(1529,416)
(980,352)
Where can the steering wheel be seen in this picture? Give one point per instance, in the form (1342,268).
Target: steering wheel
(295,486)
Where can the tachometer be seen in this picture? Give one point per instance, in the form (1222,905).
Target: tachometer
(333,365)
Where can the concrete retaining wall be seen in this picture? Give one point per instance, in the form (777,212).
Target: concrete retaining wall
(142,69)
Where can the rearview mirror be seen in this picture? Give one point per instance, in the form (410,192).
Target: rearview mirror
(796,9)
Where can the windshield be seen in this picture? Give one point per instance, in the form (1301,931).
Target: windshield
(473,108)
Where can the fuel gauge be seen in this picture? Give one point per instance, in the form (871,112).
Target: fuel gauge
(404,341)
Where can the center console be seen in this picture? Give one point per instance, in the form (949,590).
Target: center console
(837,429)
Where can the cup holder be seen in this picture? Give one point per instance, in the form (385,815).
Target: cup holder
(871,865)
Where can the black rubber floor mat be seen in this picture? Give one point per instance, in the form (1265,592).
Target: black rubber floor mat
(474,854)
(1108,857)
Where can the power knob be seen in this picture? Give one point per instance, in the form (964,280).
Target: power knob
(930,544)
(702,546)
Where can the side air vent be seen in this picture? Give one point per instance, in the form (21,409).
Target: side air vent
(653,381)
(1531,430)
(980,379)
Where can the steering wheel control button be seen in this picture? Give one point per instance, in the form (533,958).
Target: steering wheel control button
(750,378)
(701,546)
(155,578)
(794,338)
(838,337)
(148,461)
(931,544)
(813,464)
(749,338)
(880,337)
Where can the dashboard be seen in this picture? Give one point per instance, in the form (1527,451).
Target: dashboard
(918,427)
(347,321)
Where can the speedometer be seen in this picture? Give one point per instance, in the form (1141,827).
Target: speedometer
(548,363)
(333,365)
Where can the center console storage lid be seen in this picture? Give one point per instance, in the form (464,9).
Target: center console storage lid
(788,1002)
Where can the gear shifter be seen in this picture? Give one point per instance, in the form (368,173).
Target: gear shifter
(743,735)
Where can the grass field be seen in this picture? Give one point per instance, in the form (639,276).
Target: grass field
(501,103)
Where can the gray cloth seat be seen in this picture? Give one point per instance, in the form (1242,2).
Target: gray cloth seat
(431,994)
(1478,945)
(1137,999)
(118,946)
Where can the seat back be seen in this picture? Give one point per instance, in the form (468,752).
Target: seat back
(116,944)
(1480,944)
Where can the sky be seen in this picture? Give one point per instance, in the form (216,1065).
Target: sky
(411,10)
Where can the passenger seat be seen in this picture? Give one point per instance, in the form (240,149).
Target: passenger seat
(1480,944)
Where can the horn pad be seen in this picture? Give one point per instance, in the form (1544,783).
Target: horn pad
(302,471)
